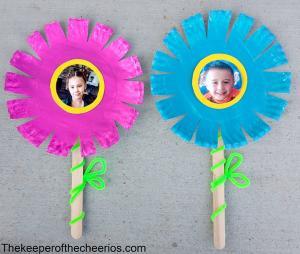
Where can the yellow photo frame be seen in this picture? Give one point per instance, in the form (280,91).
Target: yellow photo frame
(202,64)
(60,103)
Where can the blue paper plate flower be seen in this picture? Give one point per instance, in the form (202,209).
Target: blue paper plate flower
(257,54)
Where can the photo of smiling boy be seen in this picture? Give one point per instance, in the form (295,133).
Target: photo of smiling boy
(219,79)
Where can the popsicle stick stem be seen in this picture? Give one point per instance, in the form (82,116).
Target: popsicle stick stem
(76,206)
(219,198)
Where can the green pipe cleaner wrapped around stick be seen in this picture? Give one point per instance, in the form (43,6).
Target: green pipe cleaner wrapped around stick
(79,182)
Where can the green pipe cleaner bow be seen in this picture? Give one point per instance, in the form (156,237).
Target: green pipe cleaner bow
(238,179)
(91,177)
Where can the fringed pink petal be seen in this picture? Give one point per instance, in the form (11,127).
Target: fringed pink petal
(107,137)
(20,108)
(64,132)
(55,34)
(118,48)
(34,131)
(125,115)
(87,146)
(37,43)
(131,92)
(60,146)
(131,67)
(19,84)
(100,35)
(78,30)
(24,62)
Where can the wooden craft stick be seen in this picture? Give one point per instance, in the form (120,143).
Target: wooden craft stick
(76,206)
(219,200)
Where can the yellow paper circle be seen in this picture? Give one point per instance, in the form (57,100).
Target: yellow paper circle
(202,64)
(60,103)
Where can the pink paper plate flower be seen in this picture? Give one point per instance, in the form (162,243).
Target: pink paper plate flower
(47,118)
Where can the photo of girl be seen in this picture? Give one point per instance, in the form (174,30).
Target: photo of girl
(219,82)
(74,86)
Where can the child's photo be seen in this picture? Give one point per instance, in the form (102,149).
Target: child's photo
(77,86)
(220,81)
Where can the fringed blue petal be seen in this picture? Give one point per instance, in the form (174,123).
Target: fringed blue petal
(278,82)
(273,57)
(218,25)
(175,43)
(164,63)
(185,128)
(241,28)
(170,107)
(232,135)
(194,30)
(254,126)
(273,107)
(207,134)
(163,84)
(257,53)
(259,41)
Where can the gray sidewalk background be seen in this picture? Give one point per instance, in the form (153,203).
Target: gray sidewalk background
(158,186)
